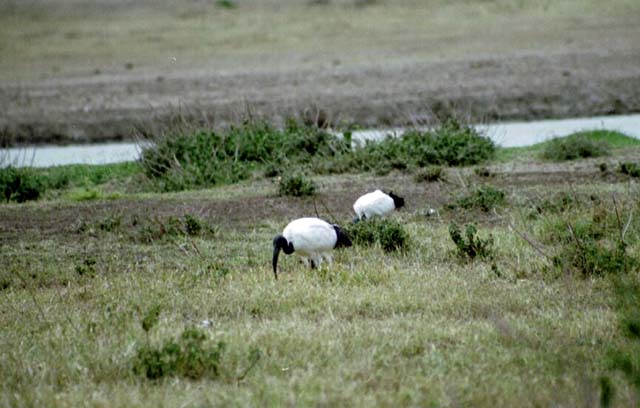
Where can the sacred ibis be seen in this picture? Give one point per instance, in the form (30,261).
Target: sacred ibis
(376,203)
(311,238)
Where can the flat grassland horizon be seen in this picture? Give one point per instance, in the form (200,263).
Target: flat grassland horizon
(91,70)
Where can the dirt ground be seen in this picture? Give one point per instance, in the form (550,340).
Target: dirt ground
(252,203)
(92,75)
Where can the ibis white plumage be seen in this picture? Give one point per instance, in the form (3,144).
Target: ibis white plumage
(377,203)
(311,238)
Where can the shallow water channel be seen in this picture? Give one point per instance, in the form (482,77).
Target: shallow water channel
(506,134)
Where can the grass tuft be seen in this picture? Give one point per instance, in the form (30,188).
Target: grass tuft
(296,185)
(21,184)
(470,246)
(483,198)
(388,233)
(189,356)
(575,146)
(630,168)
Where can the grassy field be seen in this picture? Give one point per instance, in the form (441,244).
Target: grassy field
(92,286)
(67,38)
(91,70)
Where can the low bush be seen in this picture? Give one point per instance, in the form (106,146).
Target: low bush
(469,246)
(296,185)
(483,172)
(575,146)
(182,160)
(591,250)
(428,174)
(388,233)
(483,198)
(228,4)
(190,356)
(593,241)
(21,184)
(631,169)
(149,229)
(450,144)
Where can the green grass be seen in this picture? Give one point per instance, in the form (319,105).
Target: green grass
(85,175)
(613,139)
(95,294)
(43,39)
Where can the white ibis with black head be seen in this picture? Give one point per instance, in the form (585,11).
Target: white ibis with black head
(311,238)
(377,203)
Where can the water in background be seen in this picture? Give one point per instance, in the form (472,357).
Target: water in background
(509,134)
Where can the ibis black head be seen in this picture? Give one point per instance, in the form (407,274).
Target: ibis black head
(343,239)
(397,200)
(280,242)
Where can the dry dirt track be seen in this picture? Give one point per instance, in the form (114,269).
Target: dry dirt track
(569,69)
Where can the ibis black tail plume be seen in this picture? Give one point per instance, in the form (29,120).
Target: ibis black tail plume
(280,242)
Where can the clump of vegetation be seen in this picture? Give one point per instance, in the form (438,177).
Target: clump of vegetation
(185,160)
(592,245)
(296,185)
(228,4)
(189,356)
(575,146)
(87,267)
(206,158)
(592,249)
(483,198)
(429,174)
(483,172)
(151,318)
(630,168)
(556,204)
(450,144)
(388,233)
(150,230)
(21,184)
(470,246)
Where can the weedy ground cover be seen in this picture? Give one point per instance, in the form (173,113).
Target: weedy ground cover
(95,313)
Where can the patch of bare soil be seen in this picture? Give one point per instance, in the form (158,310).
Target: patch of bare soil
(597,81)
(62,221)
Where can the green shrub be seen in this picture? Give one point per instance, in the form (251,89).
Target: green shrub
(469,246)
(460,145)
(182,160)
(87,267)
(591,244)
(591,249)
(631,169)
(150,229)
(428,174)
(151,318)
(388,233)
(20,184)
(576,146)
(228,4)
(296,185)
(483,172)
(450,144)
(190,356)
(192,225)
(179,161)
(557,203)
(483,198)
